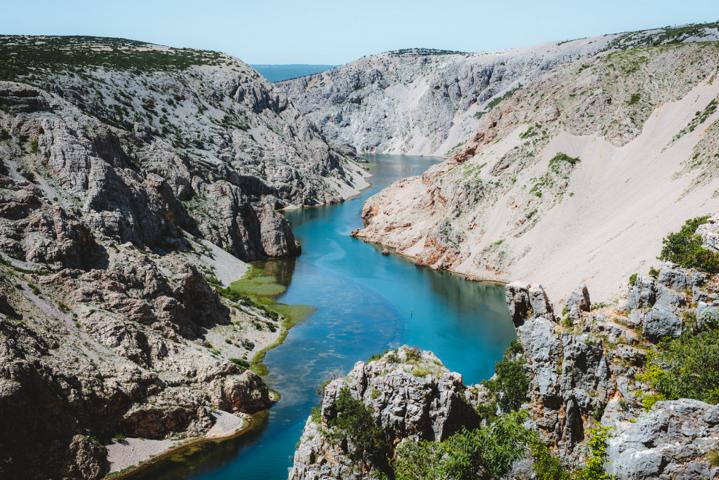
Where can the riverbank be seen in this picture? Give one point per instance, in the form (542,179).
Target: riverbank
(132,456)
(388,250)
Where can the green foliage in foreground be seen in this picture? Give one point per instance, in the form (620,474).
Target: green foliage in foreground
(685,248)
(483,453)
(594,469)
(510,384)
(354,422)
(685,367)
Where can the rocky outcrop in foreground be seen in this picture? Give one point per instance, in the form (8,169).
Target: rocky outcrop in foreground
(410,394)
(128,172)
(583,367)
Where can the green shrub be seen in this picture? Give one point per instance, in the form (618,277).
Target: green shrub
(515,347)
(685,367)
(376,356)
(633,279)
(713,458)
(353,421)
(413,354)
(654,273)
(316,414)
(486,452)
(594,469)
(545,465)
(510,384)
(213,281)
(243,364)
(34,289)
(560,159)
(634,99)
(685,248)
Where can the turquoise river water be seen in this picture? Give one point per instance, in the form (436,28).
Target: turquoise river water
(366,302)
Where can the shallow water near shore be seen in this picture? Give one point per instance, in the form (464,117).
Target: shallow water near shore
(365,303)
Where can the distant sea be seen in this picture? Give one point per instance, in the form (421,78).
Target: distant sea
(277,73)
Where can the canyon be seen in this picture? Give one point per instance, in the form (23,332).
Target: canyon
(138,182)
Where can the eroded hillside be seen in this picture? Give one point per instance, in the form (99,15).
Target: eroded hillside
(574,177)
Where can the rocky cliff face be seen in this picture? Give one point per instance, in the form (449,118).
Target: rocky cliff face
(147,140)
(421,101)
(574,177)
(128,172)
(430,102)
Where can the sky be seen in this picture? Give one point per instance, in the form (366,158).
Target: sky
(338,31)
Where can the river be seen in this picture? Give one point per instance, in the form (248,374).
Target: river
(366,302)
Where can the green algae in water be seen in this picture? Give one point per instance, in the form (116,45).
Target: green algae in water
(257,282)
(261,285)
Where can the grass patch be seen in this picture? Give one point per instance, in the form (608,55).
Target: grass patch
(257,283)
(261,289)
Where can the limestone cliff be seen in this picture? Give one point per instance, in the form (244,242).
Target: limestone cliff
(420,101)
(129,175)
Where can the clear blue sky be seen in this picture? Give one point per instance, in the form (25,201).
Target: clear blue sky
(337,31)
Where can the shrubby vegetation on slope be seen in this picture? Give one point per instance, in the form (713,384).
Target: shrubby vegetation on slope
(486,452)
(685,367)
(21,55)
(685,248)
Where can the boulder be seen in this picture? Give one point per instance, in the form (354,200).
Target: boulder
(517,299)
(578,302)
(526,301)
(661,322)
(642,294)
(670,441)
(709,232)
